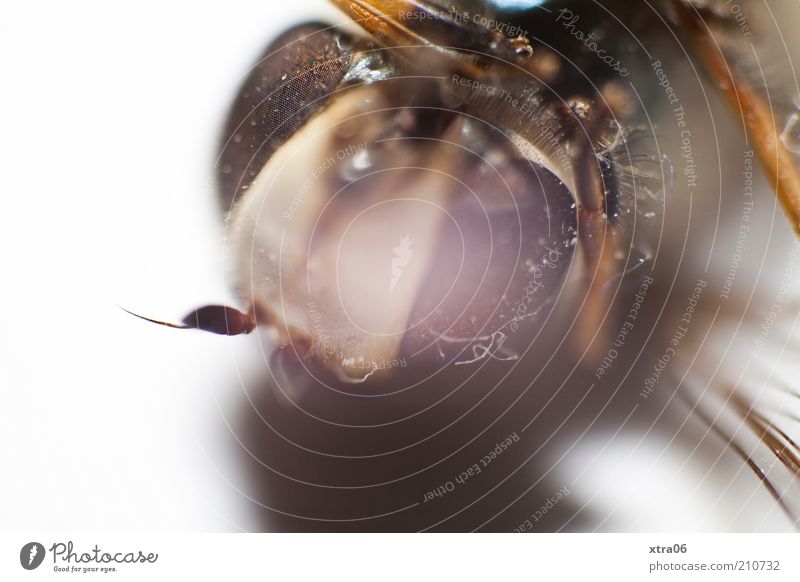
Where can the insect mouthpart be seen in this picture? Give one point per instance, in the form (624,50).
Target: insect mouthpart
(390,227)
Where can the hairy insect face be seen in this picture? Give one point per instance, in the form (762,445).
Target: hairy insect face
(375,230)
(523,211)
(392,218)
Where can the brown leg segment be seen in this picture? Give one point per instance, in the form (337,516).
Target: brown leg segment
(779,163)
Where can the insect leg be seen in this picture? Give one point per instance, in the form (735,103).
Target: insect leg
(779,164)
(598,235)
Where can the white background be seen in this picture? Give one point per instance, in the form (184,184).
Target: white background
(108,127)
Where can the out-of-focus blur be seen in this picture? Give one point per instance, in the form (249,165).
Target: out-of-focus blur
(111,119)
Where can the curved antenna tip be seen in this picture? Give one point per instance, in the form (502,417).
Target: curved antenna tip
(156,321)
(218,319)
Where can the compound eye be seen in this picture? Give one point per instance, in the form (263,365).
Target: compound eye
(293,80)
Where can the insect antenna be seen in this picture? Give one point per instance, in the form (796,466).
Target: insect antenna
(218,319)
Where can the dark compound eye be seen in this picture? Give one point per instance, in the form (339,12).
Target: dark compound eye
(292,81)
